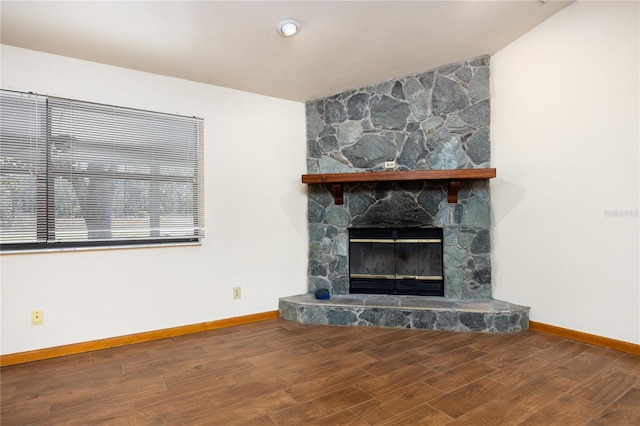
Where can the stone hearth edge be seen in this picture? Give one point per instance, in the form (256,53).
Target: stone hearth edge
(416,312)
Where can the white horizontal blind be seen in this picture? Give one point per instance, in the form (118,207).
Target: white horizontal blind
(120,175)
(22,167)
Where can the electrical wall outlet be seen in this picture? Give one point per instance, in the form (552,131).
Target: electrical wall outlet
(389,164)
(237,292)
(37,317)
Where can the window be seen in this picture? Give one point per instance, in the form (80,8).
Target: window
(75,174)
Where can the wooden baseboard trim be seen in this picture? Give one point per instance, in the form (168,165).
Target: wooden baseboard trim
(591,339)
(94,345)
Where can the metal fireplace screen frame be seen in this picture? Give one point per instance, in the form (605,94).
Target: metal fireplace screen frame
(396,261)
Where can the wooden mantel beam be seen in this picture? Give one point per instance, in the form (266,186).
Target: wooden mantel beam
(453,177)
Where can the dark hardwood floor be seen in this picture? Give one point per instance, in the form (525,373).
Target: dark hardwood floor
(285,373)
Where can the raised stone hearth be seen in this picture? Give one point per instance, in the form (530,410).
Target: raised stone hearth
(419,312)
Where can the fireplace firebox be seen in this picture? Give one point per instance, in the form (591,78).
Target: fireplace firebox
(396,261)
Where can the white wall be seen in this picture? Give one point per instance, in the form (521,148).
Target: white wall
(565,139)
(255,217)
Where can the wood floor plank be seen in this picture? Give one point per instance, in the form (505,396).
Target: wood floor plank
(387,336)
(420,415)
(521,372)
(340,351)
(447,342)
(495,412)
(321,368)
(203,381)
(283,355)
(440,336)
(566,410)
(63,392)
(396,402)
(336,330)
(563,351)
(624,411)
(447,361)
(319,386)
(507,355)
(244,411)
(159,401)
(152,418)
(494,342)
(155,372)
(605,387)
(102,413)
(395,348)
(125,354)
(469,397)
(628,364)
(174,411)
(343,339)
(404,376)
(128,392)
(583,366)
(228,396)
(314,410)
(273,376)
(542,390)
(25,412)
(460,376)
(229,351)
(402,359)
(342,418)
(541,340)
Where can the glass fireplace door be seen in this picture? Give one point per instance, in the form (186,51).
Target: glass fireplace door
(396,261)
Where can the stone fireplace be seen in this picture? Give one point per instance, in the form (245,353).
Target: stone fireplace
(435,120)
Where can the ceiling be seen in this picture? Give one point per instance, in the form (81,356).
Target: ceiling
(342,44)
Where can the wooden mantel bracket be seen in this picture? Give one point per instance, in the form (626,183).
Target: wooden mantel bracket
(454,187)
(337,189)
(454,178)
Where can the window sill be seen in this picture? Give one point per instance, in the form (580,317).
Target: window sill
(94,248)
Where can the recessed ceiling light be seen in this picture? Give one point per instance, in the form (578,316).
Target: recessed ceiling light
(288,27)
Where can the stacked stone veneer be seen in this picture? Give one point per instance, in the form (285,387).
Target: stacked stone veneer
(435,120)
